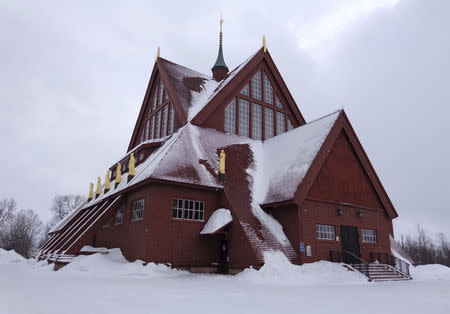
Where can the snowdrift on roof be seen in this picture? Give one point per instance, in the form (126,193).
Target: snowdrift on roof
(218,219)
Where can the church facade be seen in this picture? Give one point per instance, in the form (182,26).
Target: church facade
(221,169)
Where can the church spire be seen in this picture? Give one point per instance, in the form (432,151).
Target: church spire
(220,69)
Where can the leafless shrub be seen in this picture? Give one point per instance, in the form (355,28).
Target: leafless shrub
(22,232)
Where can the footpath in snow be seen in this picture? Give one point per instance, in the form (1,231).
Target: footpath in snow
(109,284)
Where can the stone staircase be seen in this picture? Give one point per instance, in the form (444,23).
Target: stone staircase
(383,272)
(380,272)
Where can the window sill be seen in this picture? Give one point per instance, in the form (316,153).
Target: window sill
(187,220)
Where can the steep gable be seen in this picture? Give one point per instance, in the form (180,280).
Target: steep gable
(253,86)
(343,126)
(342,177)
(173,93)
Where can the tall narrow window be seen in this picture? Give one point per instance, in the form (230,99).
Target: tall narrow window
(245,90)
(268,90)
(155,97)
(278,102)
(256,86)
(289,125)
(171,119)
(164,95)
(158,125)
(244,117)
(137,210)
(118,217)
(152,128)
(161,92)
(230,117)
(147,125)
(281,123)
(164,121)
(268,123)
(256,122)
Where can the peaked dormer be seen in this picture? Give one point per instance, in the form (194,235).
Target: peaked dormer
(253,101)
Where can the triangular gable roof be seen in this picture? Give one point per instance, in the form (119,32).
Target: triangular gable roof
(236,77)
(195,95)
(343,124)
(187,90)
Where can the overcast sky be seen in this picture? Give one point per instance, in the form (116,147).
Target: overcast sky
(73,76)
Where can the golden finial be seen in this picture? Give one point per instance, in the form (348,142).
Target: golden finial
(221,22)
(158,53)
(107,181)
(264,44)
(131,163)
(91,191)
(98,189)
(118,173)
(222,158)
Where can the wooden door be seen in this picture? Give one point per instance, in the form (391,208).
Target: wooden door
(350,243)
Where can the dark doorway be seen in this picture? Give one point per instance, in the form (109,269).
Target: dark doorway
(350,243)
(223,256)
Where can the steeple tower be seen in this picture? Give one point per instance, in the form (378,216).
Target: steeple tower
(220,69)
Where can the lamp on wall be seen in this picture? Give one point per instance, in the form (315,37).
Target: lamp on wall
(340,211)
(359,213)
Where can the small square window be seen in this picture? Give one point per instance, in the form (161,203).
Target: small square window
(369,235)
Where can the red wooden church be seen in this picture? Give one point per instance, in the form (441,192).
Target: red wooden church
(223,168)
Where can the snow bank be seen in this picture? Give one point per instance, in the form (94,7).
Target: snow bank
(430,272)
(113,263)
(7,257)
(278,270)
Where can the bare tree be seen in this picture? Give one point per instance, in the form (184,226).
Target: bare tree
(63,204)
(22,232)
(425,250)
(7,209)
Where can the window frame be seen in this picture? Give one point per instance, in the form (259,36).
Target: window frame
(325,232)
(277,106)
(367,238)
(121,210)
(189,210)
(137,214)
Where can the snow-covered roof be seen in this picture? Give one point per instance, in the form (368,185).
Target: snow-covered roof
(190,155)
(218,219)
(193,89)
(287,157)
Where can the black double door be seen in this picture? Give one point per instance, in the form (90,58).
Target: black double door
(350,243)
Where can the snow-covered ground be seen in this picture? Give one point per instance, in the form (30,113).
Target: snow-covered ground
(108,284)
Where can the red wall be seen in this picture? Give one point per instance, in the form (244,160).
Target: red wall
(342,179)
(160,238)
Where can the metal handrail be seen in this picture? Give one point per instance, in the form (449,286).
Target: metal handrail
(357,257)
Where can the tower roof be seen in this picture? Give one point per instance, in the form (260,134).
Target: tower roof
(220,69)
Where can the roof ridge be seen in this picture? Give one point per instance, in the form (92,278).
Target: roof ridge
(185,67)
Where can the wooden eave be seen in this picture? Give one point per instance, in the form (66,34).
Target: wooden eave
(237,79)
(343,124)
